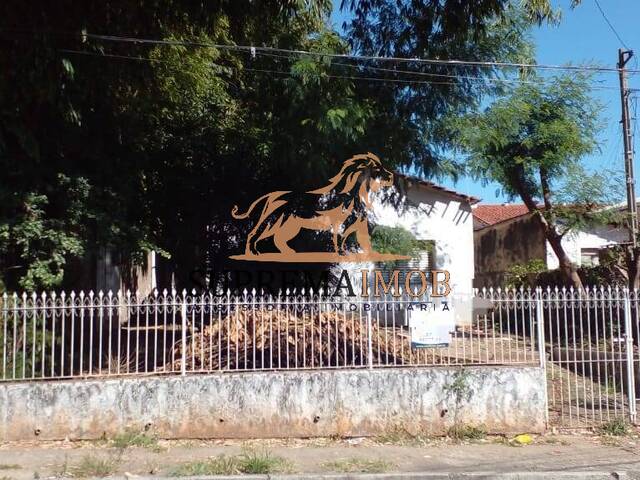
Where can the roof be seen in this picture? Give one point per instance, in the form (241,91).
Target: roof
(490,214)
(425,183)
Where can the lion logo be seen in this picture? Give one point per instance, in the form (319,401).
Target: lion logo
(341,209)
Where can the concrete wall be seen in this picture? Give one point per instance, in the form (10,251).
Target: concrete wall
(277,404)
(505,244)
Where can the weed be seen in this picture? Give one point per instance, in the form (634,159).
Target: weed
(459,388)
(9,466)
(466,432)
(131,438)
(357,465)
(253,461)
(395,435)
(400,436)
(617,427)
(91,466)
(250,461)
(220,465)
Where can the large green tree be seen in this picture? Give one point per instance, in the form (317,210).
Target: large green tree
(138,146)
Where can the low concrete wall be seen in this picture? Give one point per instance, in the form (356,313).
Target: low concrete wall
(278,404)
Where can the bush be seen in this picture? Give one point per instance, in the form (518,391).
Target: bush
(394,240)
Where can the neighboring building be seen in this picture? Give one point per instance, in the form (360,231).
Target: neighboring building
(507,234)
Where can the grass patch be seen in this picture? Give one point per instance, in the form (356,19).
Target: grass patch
(250,461)
(400,436)
(9,466)
(131,438)
(220,465)
(467,432)
(262,462)
(357,465)
(91,466)
(617,427)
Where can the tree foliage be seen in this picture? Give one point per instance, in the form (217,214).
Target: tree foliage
(532,142)
(137,146)
(394,240)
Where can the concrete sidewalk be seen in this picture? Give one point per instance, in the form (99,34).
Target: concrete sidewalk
(564,456)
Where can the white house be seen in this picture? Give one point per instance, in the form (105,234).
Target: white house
(440,216)
(583,246)
(443,220)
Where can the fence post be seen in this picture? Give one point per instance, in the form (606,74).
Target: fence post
(369,340)
(183,350)
(542,353)
(628,336)
(540,327)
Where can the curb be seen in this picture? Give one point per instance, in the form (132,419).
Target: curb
(562,475)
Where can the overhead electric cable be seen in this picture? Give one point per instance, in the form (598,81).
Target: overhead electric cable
(613,29)
(115,38)
(346,77)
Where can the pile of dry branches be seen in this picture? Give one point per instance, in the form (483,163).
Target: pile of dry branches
(260,339)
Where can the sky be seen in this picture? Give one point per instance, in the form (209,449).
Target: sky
(582,37)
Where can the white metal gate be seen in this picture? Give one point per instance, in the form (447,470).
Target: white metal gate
(592,361)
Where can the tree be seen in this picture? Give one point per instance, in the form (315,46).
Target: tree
(137,146)
(131,146)
(531,142)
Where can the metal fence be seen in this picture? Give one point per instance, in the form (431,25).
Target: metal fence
(586,340)
(593,358)
(48,336)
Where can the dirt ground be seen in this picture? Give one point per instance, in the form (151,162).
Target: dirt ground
(393,453)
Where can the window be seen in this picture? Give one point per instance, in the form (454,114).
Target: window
(423,259)
(589,257)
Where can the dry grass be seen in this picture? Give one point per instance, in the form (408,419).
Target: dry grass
(357,465)
(89,466)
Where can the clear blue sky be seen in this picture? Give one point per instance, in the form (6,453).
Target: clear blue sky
(583,36)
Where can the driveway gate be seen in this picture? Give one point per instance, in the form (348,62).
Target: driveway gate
(592,361)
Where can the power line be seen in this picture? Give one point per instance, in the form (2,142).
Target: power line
(345,77)
(277,72)
(613,29)
(423,74)
(453,63)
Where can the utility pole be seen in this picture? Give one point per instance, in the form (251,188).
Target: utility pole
(623,57)
(632,251)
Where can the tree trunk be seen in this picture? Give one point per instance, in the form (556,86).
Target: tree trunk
(567,267)
(633,267)
(549,226)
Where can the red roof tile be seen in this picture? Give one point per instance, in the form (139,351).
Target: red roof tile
(490,214)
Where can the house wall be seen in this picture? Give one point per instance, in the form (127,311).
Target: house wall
(111,275)
(597,237)
(505,244)
(430,214)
